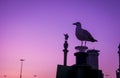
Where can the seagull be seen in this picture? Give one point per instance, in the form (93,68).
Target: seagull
(82,34)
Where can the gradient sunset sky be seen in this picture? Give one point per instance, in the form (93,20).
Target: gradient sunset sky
(33,30)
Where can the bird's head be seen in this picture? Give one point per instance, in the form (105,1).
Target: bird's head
(77,24)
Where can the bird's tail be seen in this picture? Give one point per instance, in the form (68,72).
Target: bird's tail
(94,40)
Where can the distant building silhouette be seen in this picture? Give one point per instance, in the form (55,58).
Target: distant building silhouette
(118,70)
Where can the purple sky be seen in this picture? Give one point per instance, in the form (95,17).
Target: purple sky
(33,30)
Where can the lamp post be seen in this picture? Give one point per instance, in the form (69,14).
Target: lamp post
(21,67)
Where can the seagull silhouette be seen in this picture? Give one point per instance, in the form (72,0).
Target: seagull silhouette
(83,34)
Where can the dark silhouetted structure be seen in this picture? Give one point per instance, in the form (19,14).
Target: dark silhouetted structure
(86,65)
(118,70)
(65,50)
(92,58)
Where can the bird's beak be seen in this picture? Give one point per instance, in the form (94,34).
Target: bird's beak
(74,23)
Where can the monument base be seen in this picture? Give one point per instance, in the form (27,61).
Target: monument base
(81,48)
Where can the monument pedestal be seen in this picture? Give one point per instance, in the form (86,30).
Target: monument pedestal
(80,69)
(81,48)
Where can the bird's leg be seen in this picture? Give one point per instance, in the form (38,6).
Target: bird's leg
(85,43)
(81,43)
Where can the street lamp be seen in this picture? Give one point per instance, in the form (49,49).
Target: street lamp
(21,67)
